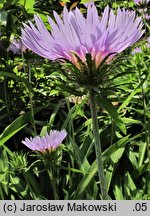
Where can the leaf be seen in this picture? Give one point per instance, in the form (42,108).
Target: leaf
(129,186)
(86,1)
(86,180)
(110,152)
(52,118)
(10,131)
(113,148)
(17,125)
(80,157)
(131,121)
(115,157)
(5,4)
(143,169)
(3,18)
(133,159)
(2,3)
(118,192)
(129,98)
(142,152)
(28,4)
(69,89)
(107,105)
(33,182)
(4,176)
(17,78)
(19,187)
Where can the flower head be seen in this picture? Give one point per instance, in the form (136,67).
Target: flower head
(75,35)
(16,46)
(48,142)
(137,50)
(144,13)
(141,1)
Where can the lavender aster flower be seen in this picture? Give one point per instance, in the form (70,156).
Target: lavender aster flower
(48,142)
(16,46)
(141,1)
(75,34)
(137,50)
(144,13)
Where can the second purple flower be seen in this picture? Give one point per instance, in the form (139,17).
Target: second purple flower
(48,142)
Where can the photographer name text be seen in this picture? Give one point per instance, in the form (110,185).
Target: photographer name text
(48,207)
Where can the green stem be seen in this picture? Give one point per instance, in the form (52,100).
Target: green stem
(71,126)
(30,93)
(31,102)
(30,187)
(112,132)
(24,3)
(97,143)
(53,183)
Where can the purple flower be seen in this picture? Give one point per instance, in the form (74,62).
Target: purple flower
(144,13)
(141,1)
(137,50)
(16,46)
(75,34)
(48,142)
(146,16)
